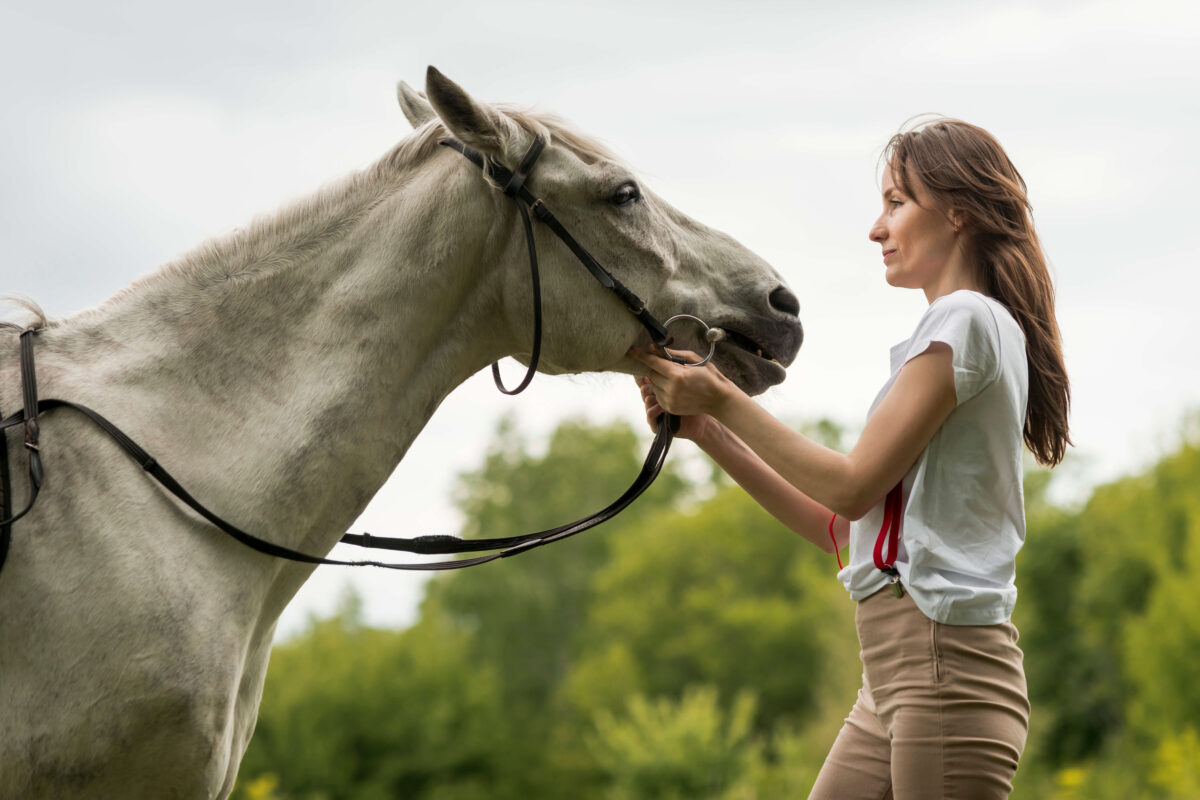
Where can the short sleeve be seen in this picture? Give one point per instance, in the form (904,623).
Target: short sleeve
(965,323)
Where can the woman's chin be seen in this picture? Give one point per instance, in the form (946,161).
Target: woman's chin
(900,279)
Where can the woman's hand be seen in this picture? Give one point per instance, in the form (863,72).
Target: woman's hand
(694,427)
(693,393)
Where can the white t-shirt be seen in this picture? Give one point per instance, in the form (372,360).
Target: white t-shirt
(963,516)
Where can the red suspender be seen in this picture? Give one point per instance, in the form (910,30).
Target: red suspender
(834,538)
(891,531)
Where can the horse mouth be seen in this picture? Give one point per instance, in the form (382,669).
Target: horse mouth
(748,364)
(743,342)
(753,365)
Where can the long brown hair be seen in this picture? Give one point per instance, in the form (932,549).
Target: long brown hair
(967,172)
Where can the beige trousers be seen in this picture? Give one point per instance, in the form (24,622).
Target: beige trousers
(943,712)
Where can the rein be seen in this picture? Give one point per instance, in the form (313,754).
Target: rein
(513,185)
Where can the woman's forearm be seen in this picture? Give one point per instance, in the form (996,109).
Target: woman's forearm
(781,499)
(794,459)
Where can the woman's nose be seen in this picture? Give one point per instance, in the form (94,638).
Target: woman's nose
(878,232)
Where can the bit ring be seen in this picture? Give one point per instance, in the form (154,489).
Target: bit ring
(711,335)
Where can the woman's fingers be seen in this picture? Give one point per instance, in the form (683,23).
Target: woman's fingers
(653,410)
(647,391)
(649,359)
(658,363)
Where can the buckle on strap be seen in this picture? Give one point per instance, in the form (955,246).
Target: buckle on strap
(29,388)
(517,179)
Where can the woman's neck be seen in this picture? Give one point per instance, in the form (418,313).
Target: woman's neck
(960,272)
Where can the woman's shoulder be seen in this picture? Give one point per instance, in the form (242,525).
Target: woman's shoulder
(982,314)
(967,299)
(965,311)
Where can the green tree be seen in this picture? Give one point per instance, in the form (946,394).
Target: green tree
(523,616)
(663,749)
(354,713)
(1073,688)
(1162,646)
(1110,626)
(722,595)
(523,613)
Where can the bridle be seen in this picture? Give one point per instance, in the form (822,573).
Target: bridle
(512,183)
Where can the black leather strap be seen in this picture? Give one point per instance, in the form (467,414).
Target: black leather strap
(509,546)
(536,280)
(5,499)
(33,455)
(512,187)
(503,176)
(513,545)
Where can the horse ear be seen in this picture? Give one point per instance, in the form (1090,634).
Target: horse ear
(414,105)
(475,124)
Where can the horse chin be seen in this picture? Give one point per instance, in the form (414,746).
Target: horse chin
(753,375)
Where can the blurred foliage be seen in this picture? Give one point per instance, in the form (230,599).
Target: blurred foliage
(695,648)
(660,748)
(363,713)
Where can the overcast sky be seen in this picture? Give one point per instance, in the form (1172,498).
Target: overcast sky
(135,130)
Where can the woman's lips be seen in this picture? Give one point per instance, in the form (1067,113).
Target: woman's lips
(887,253)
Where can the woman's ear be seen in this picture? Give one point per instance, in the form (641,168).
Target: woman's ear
(475,124)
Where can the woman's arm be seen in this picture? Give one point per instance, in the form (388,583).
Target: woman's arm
(780,498)
(785,502)
(919,401)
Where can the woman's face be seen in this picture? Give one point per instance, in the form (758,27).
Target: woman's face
(919,241)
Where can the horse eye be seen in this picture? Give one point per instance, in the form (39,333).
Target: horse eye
(625,194)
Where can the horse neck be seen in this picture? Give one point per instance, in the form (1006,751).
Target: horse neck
(282,375)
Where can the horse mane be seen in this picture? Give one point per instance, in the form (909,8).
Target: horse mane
(266,236)
(272,240)
(556,130)
(34,316)
(551,127)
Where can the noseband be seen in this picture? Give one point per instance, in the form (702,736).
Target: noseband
(512,183)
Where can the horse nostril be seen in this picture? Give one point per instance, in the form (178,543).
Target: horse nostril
(783,300)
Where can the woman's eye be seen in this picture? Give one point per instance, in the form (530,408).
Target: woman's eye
(625,194)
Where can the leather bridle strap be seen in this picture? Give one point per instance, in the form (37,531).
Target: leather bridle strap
(509,546)
(33,455)
(513,185)
(5,500)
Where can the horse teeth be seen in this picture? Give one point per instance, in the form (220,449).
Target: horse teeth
(758,352)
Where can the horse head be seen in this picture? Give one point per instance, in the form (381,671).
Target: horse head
(674,263)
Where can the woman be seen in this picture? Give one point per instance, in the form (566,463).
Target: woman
(930,498)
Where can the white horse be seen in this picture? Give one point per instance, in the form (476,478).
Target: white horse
(280,373)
